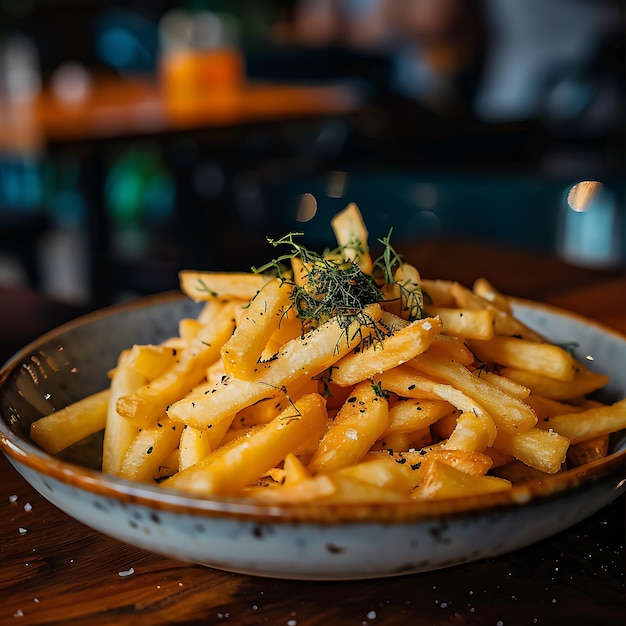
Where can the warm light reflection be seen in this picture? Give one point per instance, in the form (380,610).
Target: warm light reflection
(336,187)
(307,208)
(581,195)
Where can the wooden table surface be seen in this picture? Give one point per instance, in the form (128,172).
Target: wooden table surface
(54,570)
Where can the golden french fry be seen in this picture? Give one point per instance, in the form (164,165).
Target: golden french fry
(453,348)
(544,450)
(360,422)
(583,383)
(587,424)
(468,323)
(149,450)
(67,426)
(244,348)
(504,322)
(200,286)
(193,446)
(543,358)
(418,461)
(503,383)
(351,234)
(407,416)
(305,356)
(151,361)
(469,434)
(444,481)
(230,468)
(295,470)
(381,355)
(438,292)
(483,288)
(119,432)
(546,407)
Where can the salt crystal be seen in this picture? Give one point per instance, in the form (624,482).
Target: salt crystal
(22,530)
(371,615)
(28,507)
(18,613)
(13,498)
(129,572)
(351,433)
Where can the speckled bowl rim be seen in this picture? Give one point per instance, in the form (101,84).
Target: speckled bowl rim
(571,482)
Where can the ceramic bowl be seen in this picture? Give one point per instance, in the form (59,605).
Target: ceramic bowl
(331,542)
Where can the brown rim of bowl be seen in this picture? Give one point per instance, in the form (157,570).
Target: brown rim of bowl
(611,468)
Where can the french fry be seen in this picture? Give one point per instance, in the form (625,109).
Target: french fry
(453,348)
(583,383)
(468,323)
(360,422)
(67,426)
(505,384)
(542,358)
(504,322)
(149,450)
(483,288)
(120,432)
(444,481)
(193,446)
(418,461)
(202,286)
(587,424)
(438,292)
(391,351)
(351,234)
(244,348)
(469,434)
(544,450)
(407,416)
(228,470)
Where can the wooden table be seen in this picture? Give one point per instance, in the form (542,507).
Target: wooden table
(117,112)
(53,570)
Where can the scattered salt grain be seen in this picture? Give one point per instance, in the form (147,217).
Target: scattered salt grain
(18,613)
(371,615)
(351,433)
(22,530)
(28,507)
(13,498)
(129,572)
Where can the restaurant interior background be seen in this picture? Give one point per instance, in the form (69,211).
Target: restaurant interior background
(472,119)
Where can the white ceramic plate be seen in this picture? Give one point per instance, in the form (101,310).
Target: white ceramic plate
(336,542)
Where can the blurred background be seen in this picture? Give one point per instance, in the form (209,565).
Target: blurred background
(494,120)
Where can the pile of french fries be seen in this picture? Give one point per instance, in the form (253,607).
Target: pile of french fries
(444,395)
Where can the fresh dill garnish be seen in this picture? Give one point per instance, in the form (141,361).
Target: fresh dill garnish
(331,285)
(410,293)
(378,389)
